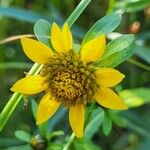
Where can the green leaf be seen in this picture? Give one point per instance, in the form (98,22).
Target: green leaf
(15,65)
(42,31)
(23,136)
(145,145)
(84,144)
(42,127)
(6,142)
(54,146)
(76,48)
(118,44)
(21,14)
(94,123)
(132,5)
(143,52)
(119,121)
(117,51)
(103,26)
(54,134)
(107,124)
(61,112)
(34,107)
(135,97)
(136,122)
(22,147)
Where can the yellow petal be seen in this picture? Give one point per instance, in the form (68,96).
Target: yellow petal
(107,98)
(36,51)
(108,77)
(76,118)
(66,36)
(47,107)
(94,49)
(29,85)
(61,40)
(56,37)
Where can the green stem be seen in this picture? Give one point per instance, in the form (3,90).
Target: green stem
(134,62)
(16,97)
(15,65)
(9,108)
(111,6)
(66,147)
(77,12)
(14,100)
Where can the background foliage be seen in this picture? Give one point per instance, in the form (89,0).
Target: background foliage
(106,130)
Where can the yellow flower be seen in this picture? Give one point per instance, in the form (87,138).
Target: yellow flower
(69,78)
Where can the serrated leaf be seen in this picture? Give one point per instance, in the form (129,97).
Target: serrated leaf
(23,136)
(94,123)
(42,31)
(105,25)
(117,51)
(107,124)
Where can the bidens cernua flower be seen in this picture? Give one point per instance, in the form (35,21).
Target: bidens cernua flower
(69,78)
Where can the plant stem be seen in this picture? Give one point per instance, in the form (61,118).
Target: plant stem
(14,100)
(77,12)
(17,37)
(15,65)
(9,108)
(134,62)
(16,97)
(111,6)
(66,147)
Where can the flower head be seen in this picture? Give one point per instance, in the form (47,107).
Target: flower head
(69,78)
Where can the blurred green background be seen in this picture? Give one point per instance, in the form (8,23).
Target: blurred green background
(18,17)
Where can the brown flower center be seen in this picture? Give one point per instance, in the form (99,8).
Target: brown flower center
(70,81)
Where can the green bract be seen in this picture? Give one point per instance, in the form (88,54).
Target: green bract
(117,51)
(103,26)
(42,31)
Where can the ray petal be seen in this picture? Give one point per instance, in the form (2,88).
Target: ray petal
(30,85)
(66,36)
(93,49)
(76,118)
(36,51)
(108,77)
(109,99)
(46,109)
(56,37)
